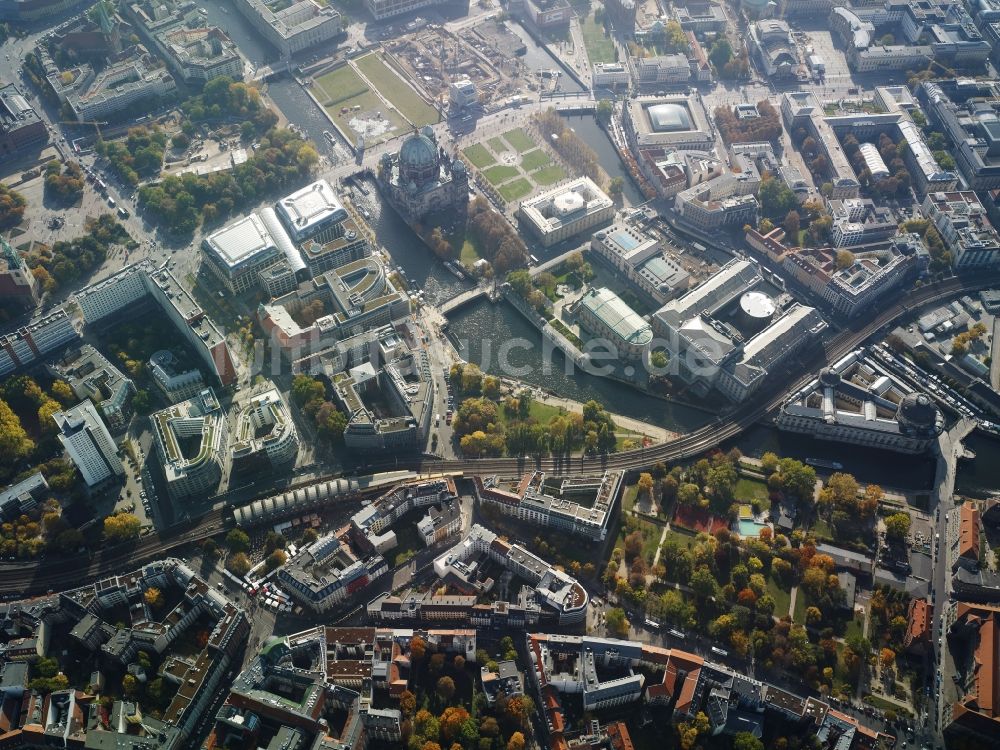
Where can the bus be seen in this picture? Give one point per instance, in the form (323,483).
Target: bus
(719,651)
(677,634)
(652,624)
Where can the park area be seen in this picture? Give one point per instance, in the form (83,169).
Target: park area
(600,47)
(360,111)
(514,164)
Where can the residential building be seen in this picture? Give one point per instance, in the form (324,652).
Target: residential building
(144,282)
(860,222)
(421,178)
(919,626)
(265,433)
(604,314)
(855,401)
(100,96)
(963,225)
(192,441)
(372,525)
(965,542)
(175,383)
(24,346)
(973,632)
(20,126)
(566,210)
(88,443)
(93,377)
(329,571)
(24,496)
(301,25)
(532,501)
(553,589)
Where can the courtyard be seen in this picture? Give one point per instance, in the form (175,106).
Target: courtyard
(514,164)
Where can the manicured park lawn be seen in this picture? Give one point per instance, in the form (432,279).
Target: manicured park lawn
(497,144)
(799,615)
(534,159)
(650,536)
(519,140)
(343,89)
(599,47)
(500,173)
(548,175)
(781,598)
(515,189)
(748,490)
(397,91)
(479,155)
(469,254)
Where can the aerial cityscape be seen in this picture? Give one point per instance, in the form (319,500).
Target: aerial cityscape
(499,375)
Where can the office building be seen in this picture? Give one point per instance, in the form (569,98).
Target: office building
(965,229)
(88,443)
(534,501)
(856,402)
(373,525)
(724,201)
(301,25)
(421,178)
(355,298)
(20,126)
(265,434)
(144,282)
(860,222)
(26,345)
(462,93)
(313,212)
(119,86)
(192,442)
(93,377)
(546,14)
(661,70)
(875,272)
(238,252)
(566,210)
(609,75)
(604,314)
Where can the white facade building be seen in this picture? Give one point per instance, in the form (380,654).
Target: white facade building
(301,25)
(566,210)
(88,443)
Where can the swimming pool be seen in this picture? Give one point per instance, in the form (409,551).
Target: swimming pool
(750,529)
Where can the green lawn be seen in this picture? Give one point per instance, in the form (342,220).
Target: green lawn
(397,91)
(548,175)
(497,144)
(534,159)
(479,155)
(515,189)
(650,535)
(781,598)
(799,615)
(540,412)
(519,140)
(500,173)
(469,254)
(341,90)
(628,497)
(855,626)
(599,47)
(749,490)
(682,538)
